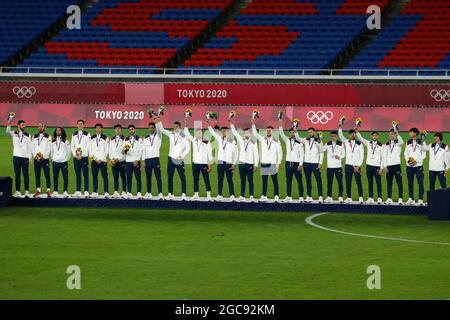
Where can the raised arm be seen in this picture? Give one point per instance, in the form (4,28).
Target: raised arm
(213,133)
(279,153)
(282,135)
(256,134)
(160,129)
(297,136)
(9,131)
(341,135)
(235,133)
(361,138)
(188,134)
(401,142)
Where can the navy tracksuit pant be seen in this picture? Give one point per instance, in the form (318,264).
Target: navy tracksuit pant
(81,166)
(312,168)
(349,173)
(331,173)
(442,179)
(292,171)
(103,168)
(43,165)
(372,173)
(268,170)
(394,171)
(178,165)
(119,170)
(197,169)
(246,174)
(21,166)
(136,170)
(224,169)
(418,172)
(153,165)
(64,168)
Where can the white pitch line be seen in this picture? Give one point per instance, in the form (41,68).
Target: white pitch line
(309,220)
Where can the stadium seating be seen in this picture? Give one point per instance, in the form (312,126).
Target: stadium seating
(129,34)
(418,38)
(285,34)
(23,21)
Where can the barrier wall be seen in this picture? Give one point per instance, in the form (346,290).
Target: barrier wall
(318,105)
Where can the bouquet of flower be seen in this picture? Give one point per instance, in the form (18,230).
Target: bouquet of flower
(39,156)
(188,113)
(11,116)
(280,115)
(296,123)
(79,151)
(112,162)
(412,161)
(395,125)
(320,135)
(423,134)
(161,110)
(151,112)
(231,115)
(358,122)
(342,120)
(255,114)
(125,148)
(211,115)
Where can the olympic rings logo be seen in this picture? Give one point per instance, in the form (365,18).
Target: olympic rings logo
(440,95)
(319,117)
(24,92)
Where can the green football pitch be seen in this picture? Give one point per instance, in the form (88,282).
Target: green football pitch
(142,254)
(179,254)
(6,169)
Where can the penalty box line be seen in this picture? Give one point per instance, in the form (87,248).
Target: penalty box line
(309,221)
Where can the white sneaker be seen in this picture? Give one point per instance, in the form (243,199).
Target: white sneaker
(277,199)
(232,198)
(320,199)
(160,196)
(329,200)
(389,201)
(420,202)
(94,195)
(370,201)
(129,195)
(195,197)
(106,195)
(219,198)
(400,201)
(251,199)
(240,199)
(263,199)
(77,194)
(55,194)
(208,197)
(309,199)
(17,194)
(183,197)
(287,199)
(124,194)
(301,199)
(410,202)
(116,194)
(379,201)
(65,194)
(361,200)
(341,200)
(148,196)
(170,197)
(27,194)
(139,195)
(348,200)
(86,194)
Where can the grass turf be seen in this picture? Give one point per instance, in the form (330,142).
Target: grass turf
(139,254)
(6,169)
